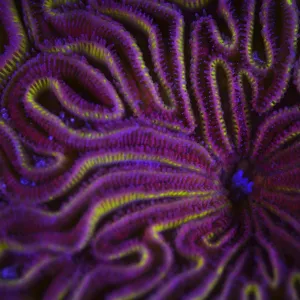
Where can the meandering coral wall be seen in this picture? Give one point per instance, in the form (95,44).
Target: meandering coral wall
(149,149)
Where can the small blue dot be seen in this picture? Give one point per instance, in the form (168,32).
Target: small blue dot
(40,164)
(24,181)
(9,272)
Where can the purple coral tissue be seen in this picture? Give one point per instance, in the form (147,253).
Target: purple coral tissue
(149,149)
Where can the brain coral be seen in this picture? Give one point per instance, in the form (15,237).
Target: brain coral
(149,149)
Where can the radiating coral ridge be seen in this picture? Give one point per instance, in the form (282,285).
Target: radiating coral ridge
(149,149)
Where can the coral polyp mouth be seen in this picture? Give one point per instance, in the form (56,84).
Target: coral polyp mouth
(240,188)
(241,183)
(238,182)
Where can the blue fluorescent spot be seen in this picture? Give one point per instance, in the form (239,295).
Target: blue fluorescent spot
(9,272)
(242,183)
(62,115)
(24,181)
(40,164)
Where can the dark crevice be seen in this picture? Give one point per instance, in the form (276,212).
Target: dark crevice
(297,287)
(258,52)
(290,98)
(4,39)
(269,81)
(20,12)
(239,8)
(224,30)
(99,65)
(279,29)
(249,94)
(267,264)
(252,296)
(80,88)
(48,100)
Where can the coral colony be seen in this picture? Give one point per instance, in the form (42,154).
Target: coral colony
(149,149)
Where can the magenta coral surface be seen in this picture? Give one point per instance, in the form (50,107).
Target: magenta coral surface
(149,149)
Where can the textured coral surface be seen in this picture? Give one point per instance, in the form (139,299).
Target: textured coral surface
(149,149)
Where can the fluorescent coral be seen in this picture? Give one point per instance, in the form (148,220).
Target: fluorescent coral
(149,149)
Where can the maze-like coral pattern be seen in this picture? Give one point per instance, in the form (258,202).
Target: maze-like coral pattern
(149,149)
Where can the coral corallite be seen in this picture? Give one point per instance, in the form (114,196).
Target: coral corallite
(149,149)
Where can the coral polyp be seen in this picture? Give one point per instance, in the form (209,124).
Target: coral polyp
(149,149)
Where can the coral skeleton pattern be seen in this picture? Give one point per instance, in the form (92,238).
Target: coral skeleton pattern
(149,149)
